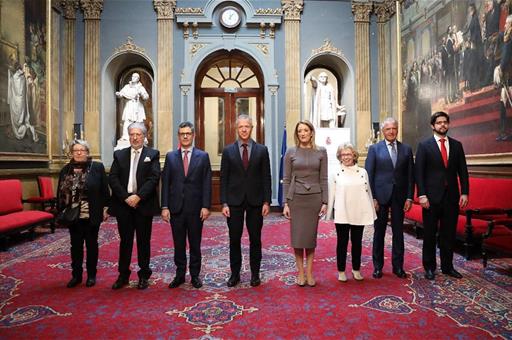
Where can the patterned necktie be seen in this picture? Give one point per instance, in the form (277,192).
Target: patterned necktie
(245,157)
(444,152)
(133,170)
(393,153)
(185,162)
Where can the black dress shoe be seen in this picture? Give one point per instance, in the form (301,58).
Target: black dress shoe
(120,283)
(196,282)
(453,273)
(400,273)
(377,274)
(177,281)
(233,280)
(430,275)
(75,281)
(91,281)
(143,284)
(255,281)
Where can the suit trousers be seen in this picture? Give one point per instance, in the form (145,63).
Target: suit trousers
(442,218)
(379,233)
(254,222)
(187,225)
(129,223)
(79,232)
(356,239)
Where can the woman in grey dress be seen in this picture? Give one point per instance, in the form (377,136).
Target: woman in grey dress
(305,186)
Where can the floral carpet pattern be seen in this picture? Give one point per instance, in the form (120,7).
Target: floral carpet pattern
(34,301)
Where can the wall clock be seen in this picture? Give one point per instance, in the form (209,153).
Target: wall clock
(230,17)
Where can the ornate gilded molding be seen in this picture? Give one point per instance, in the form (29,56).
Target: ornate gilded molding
(382,12)
(272,33)
(292,9)
(194,48)
(186,33)
(189,10)
(263,48)
(92,9)
(164,8)
(269,11)
(185,89)
(327,47)
(262,30)
(129,46)
(69,8)
(362,12)
(273,89)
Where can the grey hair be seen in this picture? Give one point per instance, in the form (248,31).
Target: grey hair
(140,126)
(388,120)
(81,142)
(243,117)
(349,147)
(186,124)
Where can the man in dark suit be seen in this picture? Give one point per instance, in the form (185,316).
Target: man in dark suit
(245,189)
(390,170)
(440,168)
(133,178)
(186,199)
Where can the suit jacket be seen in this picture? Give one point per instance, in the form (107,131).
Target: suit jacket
(186,193)
(384,177)
(96,190)
(433,178)
(148,176)
(237,184)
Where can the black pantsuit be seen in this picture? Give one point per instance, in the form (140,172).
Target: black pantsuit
(187,225)
(356,238)
(80,232)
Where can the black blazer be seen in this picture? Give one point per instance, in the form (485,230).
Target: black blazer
(96,190)
(386,179)
(237,184)
(188,193)
(433,178)
(148,176)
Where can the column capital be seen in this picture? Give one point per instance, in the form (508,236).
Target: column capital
(92,9)
(383,13)
(69,8)
(292,9)
(361,11)
(164,8)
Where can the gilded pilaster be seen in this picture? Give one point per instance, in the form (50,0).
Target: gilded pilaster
(165,20)
(292,14)
(362,13)
(91,124)
(383,14)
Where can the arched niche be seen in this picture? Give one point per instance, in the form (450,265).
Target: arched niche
(115,71)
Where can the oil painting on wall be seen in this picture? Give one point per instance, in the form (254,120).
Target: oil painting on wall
(457,58)
(23,117)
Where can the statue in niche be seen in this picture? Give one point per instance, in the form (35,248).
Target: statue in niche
(133,111)
(326,112)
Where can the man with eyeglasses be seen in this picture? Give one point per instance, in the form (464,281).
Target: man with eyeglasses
(439,169)
(134,178)
(186,200)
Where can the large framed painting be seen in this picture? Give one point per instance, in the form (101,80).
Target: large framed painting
(23,97)
(455,56)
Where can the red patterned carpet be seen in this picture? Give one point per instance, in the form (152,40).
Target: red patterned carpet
(34,302)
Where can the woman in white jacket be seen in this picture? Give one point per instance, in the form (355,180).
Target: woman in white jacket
(351,199)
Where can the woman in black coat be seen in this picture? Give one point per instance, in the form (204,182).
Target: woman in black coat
(84,182)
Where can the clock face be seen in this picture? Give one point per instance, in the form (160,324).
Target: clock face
(230,17)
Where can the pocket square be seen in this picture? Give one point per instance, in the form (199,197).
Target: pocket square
(147,159)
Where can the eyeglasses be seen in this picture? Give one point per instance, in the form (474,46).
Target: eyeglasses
(185,134)
(79,150)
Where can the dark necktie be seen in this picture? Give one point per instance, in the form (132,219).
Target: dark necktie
(393,153)
(444,152)
(245,157)
(185,162)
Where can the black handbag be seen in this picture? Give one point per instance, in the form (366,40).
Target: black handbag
(69,215)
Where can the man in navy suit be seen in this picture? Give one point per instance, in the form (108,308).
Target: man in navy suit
(134,177)
(390,170)
(440,168)
(245,189)
(186,199)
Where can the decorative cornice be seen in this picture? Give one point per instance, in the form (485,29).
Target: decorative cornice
(382,12)
(69,8)
(129,46)
(292,9)
(189,10)
(92,9)
(164,8)
(269,11)
(362,12)
(327,47)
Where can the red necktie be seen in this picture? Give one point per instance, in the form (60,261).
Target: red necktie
(444,153)
(185,162)
(245,157)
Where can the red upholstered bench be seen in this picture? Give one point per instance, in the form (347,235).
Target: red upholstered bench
(13,219)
